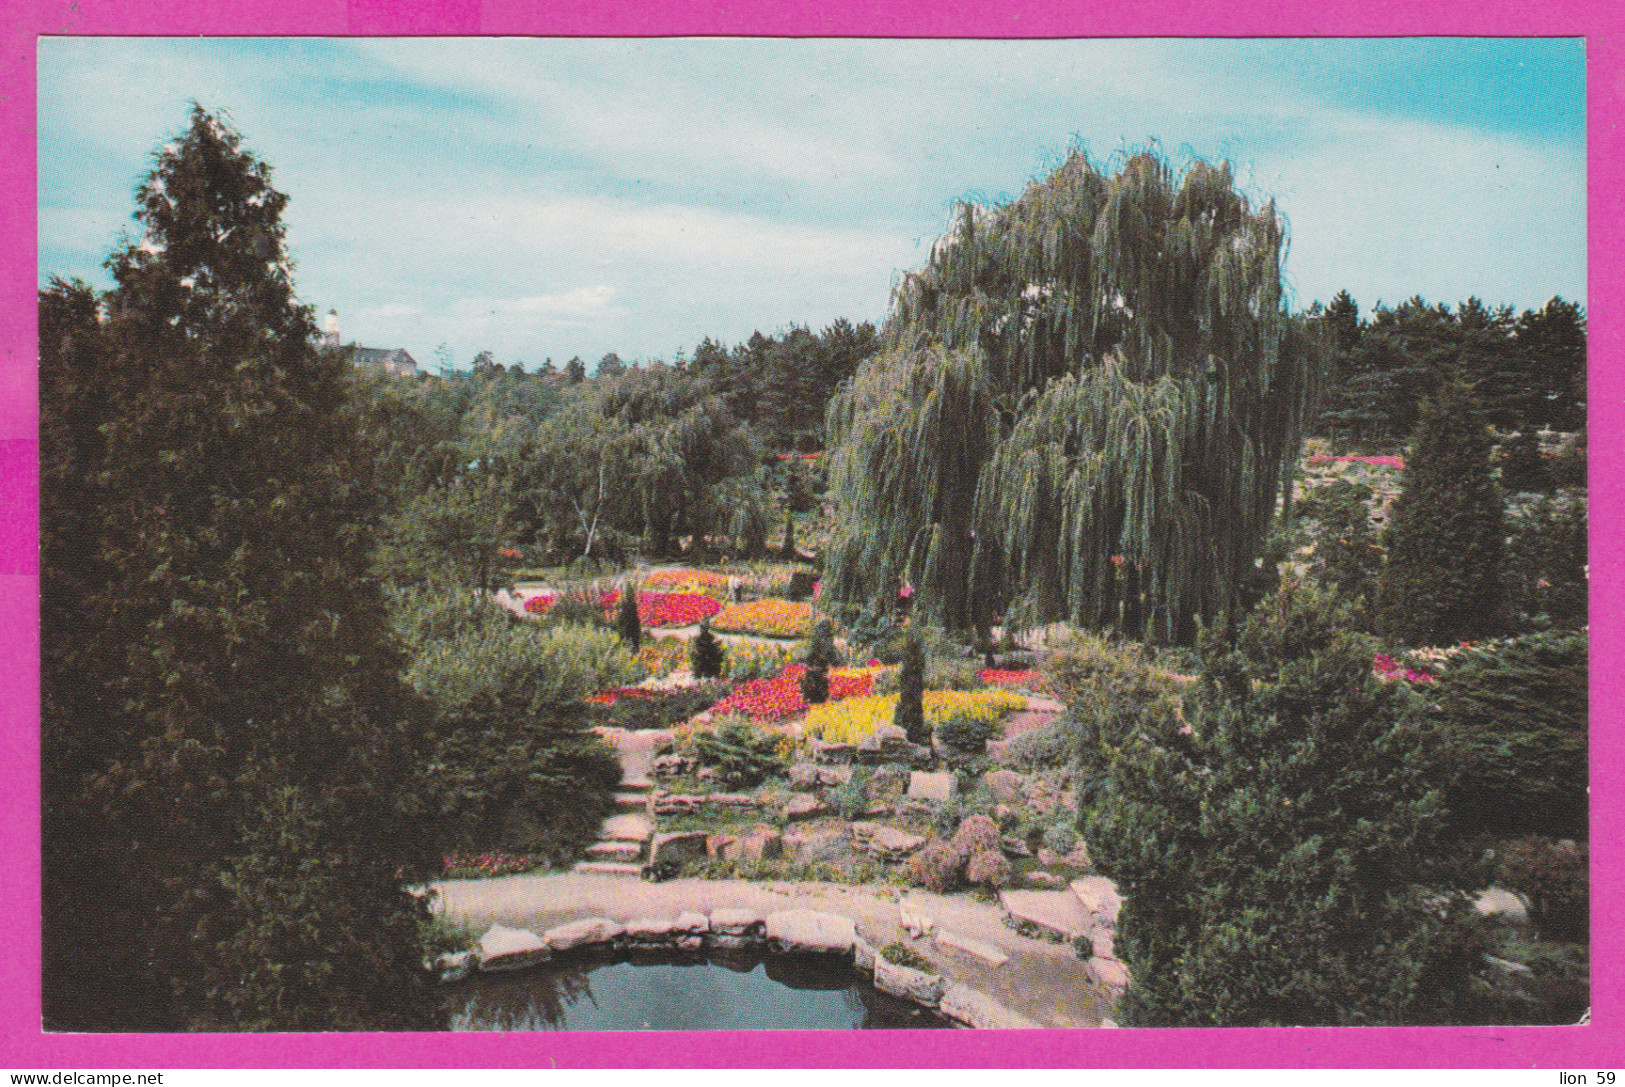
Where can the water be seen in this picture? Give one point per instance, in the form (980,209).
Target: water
(732,991)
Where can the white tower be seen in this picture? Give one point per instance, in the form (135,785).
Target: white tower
(330,329)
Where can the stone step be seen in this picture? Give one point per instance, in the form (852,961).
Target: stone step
(615,851)
(637,785)
(630,827)
(1058,911)
(632,801)
(609,868)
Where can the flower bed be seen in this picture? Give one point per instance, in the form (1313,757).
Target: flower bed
(780,697)
(768,618)
(654,609)
(853,720)
(486,865)
(702,582)
(1000,677)
(1376,462)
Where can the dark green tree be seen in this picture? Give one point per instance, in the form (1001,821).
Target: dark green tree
(1442,583)
(705,654)
(236,776)
(820,657)
(1523,465)
(1548,562)
(910,712)
(627,624)
(1281,841)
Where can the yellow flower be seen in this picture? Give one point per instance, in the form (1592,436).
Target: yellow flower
(770,618)
(854,719)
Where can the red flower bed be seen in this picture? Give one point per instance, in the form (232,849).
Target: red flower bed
(472,866)
(1380,462)
(654,609)
(779,697)
(1002,676)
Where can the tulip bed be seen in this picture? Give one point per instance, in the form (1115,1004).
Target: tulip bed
(767,618)
(654,609)
(1000,677)
(1388,670)
(854,720)
(780,697)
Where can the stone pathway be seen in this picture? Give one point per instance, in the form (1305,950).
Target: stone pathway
(623,839)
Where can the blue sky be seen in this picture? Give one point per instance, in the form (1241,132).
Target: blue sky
(557,197)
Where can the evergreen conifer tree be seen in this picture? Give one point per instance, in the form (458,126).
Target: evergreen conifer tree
(820,657)
(1442,582)
(705,654)
(910,712)
(1281,843)
(235,776)
(627,624)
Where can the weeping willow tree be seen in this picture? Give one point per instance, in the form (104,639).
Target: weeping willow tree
(1086,407)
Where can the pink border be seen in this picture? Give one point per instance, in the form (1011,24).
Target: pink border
(23,1047)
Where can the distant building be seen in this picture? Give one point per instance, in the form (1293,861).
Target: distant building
(390,360)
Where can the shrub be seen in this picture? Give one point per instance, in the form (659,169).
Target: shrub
(1547,564)
(850,798)
(977,834)
(815,684)
(1512,718)
(1349,900)
(1060,838)
(637,708)
(900,954)
(705,655)
(1554,879)
(957,674)
(1345,556)
(766,618)
(989,868)
(742,756)
(1050,747)
(937,867)
(1523,467)
(969,732)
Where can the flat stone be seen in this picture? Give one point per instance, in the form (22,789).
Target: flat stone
(832,753)
(731,800)
(615,851)
(976,1009)
(863,955)
(1015,847)
(886,738)
(583,933)
(834,776)
(803,777)
(731,942)
(810,930)
(504,948)
(1500,902)
(1109,972)
(1005,785)
(975,948)
(717,846)
(691,921)
(891,844)
(804,806)
(762,845)
(456,966)
(632,801)
(735,920)
(938,788)
(609,868)
(677,846)
(627,827)
(911,984)
(1044,879)
(1059,912)
(648,930)
(913,922)
(1099,896)
(809,846)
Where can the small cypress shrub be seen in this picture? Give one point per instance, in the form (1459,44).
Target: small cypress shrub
(627,624)
(910,713)
(705,654)
(820,656)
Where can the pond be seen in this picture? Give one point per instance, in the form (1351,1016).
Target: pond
(731,991)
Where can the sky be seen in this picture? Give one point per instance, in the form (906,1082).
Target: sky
(547,198)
